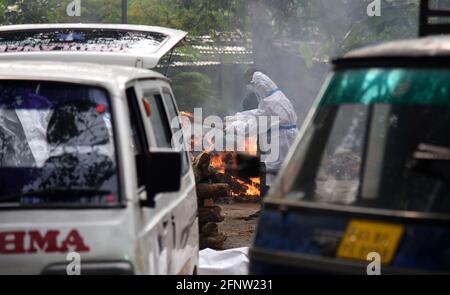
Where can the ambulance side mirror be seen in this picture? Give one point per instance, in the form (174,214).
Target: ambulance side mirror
(162,174)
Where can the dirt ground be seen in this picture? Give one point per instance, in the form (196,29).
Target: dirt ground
(239,231)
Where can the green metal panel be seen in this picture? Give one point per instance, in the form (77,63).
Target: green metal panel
(411,86)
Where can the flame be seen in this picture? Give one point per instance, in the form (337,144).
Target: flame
(255,180)
(251,186)
(252,189)
(251,146)
(217,163)
(211,145)
(187,114)
(240,187)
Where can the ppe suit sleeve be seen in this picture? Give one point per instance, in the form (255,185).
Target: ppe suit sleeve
(244,122)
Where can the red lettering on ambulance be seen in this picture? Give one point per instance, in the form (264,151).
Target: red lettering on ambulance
(12,242)
(47,243)
(74,239)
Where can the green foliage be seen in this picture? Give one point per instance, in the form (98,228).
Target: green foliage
(322,28)
(25,11)
(193,90)
(399,20)
(92,11)
(340,25)
(306,54)
(199,17)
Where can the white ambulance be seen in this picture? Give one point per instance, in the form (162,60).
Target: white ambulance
(91,180)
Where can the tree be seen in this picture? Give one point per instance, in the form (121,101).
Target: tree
(92,11)
(198,17)
(25,11)
(193,90)
(340,25)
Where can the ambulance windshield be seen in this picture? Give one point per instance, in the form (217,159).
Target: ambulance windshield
(56,145)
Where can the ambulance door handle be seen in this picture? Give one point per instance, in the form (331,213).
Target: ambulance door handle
(165,227)
(174,232)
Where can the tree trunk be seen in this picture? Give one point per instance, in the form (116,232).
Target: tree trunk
(262,35)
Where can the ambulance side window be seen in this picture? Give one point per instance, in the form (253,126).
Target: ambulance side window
(159,121)
(139,141)
(173,115)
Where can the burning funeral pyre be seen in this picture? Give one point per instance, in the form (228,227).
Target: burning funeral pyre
(217,181)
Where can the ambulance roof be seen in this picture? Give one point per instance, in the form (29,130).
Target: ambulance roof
(93,74)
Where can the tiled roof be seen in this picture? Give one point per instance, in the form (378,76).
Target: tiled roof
(226,48)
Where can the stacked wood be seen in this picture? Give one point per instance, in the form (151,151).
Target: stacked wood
(201,167)
(213,191)
(214,241)
(209,214)
(208,202)
(210,237)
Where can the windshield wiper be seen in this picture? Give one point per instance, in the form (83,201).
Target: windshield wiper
(51,192)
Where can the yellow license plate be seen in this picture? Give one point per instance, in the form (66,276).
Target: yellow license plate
(363,237)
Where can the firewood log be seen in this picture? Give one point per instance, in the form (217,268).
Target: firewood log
(209,229)
(210,214)
(214,242)
(201,167)
(211,191)
(207,203)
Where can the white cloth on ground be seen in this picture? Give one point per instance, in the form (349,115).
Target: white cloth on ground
(227,262)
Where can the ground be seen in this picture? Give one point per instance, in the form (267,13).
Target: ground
(238,230)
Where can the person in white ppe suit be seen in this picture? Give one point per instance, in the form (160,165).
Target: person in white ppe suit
(272,103)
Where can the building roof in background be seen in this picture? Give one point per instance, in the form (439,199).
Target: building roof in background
(225,48)
(228,48)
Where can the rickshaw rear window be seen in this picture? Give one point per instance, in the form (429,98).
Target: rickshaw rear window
(379,139)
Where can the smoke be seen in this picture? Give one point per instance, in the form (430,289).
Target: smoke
(293,41)
(296,46)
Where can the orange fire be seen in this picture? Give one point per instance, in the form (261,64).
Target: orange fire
(251,186)
(240,187)
(217,163)
(186,114)
(251,146)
